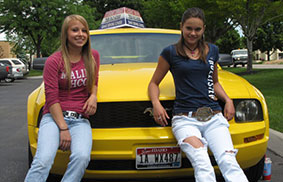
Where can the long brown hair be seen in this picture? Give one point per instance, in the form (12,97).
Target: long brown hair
(89,62)
(192,13)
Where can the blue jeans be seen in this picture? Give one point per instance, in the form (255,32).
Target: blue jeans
(215,135)
(48,144)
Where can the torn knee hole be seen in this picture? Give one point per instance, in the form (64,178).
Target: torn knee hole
(194,142)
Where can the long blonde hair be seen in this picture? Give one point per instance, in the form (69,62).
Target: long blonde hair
(89,62)
(192,13)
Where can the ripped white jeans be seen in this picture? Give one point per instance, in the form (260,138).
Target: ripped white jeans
(215,135)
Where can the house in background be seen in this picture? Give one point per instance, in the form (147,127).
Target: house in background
(275,55)
(5,50)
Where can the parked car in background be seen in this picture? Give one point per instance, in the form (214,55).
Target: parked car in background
(4,71)
(16,71)
(225,60)
(16,63)
(127,143)
(38,63)
(240,56)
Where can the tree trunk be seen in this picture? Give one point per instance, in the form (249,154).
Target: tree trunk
(250,55)
(38,46)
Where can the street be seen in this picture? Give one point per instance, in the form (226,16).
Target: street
(14,139)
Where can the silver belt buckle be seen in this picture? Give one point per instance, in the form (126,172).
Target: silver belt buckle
(204,114)
(71,114)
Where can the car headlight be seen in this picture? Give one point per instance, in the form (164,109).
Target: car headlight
(248,110)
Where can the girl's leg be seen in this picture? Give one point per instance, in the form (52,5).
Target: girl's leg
(220,143)
(81,144)
(47,145)
(186,131)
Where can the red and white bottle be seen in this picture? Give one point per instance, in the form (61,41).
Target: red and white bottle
(267,169)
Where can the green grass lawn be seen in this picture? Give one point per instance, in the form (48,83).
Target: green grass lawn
(270,83)
(33,72)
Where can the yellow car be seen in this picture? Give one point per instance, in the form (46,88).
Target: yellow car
(127,143)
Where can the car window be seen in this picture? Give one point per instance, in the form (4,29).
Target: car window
(131,47)
(16,62)
(6,62)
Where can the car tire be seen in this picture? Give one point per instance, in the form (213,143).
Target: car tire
(8,80)
(255,172)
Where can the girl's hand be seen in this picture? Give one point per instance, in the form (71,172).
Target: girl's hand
(160,115)
(65,140)
(90,105)
(229,110)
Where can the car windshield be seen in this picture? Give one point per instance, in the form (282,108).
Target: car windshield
(131,47)
(240,52)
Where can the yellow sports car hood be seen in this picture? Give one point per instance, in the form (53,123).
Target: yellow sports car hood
(129,82)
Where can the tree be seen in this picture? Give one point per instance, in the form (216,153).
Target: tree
(250,15)
(21,45)
(163,13)
(168,14)
(229,41)
(269,38)
(39,20)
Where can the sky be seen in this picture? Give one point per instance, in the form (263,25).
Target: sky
(2,36)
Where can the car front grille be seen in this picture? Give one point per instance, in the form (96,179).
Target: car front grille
(127,114)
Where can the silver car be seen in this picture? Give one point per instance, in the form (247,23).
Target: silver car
(18,68)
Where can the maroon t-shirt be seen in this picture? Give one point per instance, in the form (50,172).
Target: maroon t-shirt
(55,82)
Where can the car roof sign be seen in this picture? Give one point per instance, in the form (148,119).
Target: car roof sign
(122,17)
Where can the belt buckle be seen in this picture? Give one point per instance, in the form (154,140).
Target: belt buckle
(71,114)
(204,114)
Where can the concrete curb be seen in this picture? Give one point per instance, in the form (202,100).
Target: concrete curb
(275,143)
(35,77)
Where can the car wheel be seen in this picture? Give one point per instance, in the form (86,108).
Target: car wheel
(255,172)
(235,65)
(8,80)
(243,65)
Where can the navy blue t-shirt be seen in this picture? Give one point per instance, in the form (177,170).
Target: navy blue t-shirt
(193,80)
